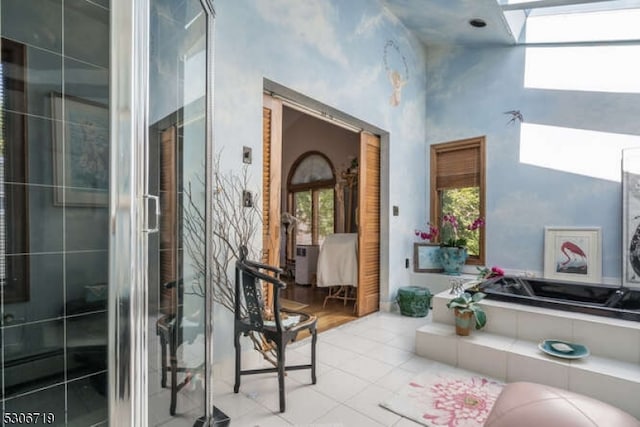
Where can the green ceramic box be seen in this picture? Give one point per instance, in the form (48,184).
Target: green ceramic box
(414,301)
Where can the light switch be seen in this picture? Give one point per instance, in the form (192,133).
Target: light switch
(246,155)
(247,199)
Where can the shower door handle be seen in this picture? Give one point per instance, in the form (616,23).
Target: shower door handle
(156,226)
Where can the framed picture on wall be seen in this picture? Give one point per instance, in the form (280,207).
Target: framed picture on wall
(573,254)
(426,258)
(80,151)
(631,217)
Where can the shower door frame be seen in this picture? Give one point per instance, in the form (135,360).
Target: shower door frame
(132,213)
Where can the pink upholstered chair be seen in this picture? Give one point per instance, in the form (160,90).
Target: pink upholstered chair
(525,404)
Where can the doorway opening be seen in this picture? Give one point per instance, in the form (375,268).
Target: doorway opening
(318,204)
(321,199)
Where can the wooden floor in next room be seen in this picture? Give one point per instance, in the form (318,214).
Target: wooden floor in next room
(335,313)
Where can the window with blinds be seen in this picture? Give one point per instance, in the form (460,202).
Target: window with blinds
(458,188)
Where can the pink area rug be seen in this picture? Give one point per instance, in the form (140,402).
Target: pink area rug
(446,399)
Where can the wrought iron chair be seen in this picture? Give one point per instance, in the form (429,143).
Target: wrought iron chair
(250,277)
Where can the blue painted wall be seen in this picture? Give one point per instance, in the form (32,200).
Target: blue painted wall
(334,52)
(469,89)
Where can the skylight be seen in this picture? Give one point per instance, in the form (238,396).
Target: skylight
(582,68)
(570,21)
(580,151)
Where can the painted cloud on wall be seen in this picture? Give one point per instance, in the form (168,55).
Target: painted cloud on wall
(330,51)
(369,24)
(310,22)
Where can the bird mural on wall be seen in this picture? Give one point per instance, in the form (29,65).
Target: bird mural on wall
(515,115)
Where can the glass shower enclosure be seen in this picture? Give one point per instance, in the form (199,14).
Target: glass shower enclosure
(105,148)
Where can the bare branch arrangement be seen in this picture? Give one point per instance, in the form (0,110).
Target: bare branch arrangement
(233,225)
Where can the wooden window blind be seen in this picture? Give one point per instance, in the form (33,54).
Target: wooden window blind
(458,168)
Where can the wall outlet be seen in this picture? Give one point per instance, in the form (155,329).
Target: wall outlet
(396,211)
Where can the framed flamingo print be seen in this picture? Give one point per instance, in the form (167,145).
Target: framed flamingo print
(573,254)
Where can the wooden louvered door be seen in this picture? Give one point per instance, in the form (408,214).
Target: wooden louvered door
(271,178)
(369,225)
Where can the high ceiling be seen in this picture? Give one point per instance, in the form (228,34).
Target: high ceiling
(547,21)
(447,21)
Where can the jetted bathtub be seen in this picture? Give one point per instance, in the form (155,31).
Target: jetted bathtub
(599,300)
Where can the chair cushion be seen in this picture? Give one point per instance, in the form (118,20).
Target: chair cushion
(291,320)
(526,404)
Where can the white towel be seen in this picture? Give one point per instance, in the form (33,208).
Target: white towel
(338,260)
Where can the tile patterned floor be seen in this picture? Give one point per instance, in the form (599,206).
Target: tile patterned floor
(359,365)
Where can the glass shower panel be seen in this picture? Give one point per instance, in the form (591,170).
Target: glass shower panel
(54,175)
(177,166)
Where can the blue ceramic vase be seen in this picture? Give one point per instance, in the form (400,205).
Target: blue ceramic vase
(452,259)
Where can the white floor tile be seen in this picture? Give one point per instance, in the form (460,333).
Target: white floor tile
(343,415)
(221,387)
(340,385)
(359,365)
(404,342)
(261,417)
(355,328)
(374,333)
(419,364)
(305,405)
(405,422)
(403,325)
(180,420)
(396,379)
(372,323)
(366,368)
(390,355)
(335,356)
(368,401)
(303,376)
(263,388)
(159,409)
(350,342)
(235,405)
(224,371)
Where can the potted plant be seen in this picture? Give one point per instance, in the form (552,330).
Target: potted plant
(453,246)
(465,308)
